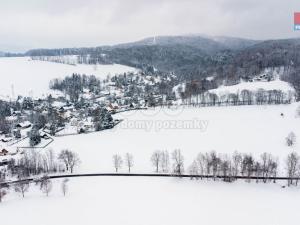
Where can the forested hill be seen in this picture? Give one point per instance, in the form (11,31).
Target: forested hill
(195,57)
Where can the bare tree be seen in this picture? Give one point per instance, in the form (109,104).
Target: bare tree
(49,161)
(257,169)
(297,174)
(226,167)
(45,185)
(129,161)
(246,96)
(274,169)
(22,187)
(70,159)
(178,160)
(268,166)
(117,162)
(156,160)
(201,164)
(194,169)
(215,163)
(247,165)
(291,139)
(64,186)
(265,159)
(3,192)
(207,164)
(292,166)
(236,160)
(164,161)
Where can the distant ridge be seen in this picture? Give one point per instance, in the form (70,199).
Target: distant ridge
(196,56)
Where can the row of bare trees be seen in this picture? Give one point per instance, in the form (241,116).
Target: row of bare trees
(33,163)
(228,166)
(118,161)
(22,187)
(209,164)
(265,168)
(231,166)
(161,162)
(245,97)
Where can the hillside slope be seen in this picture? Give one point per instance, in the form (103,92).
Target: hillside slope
(194,56)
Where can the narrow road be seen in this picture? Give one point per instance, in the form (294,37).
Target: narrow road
(151,175)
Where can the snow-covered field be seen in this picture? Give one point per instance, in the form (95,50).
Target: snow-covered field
(31,78)
(138,200)
(262,83)
(154,201)
(158,201)
(254,86)
(247,129)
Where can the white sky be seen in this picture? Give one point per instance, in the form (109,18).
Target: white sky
(26,24)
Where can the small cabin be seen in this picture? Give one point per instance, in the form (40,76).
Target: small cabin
(23,125)
(114,106)
(44,135)
(6,139)
(3,152)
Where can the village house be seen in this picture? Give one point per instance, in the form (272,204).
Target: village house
(112,107)
(74,122)
(84,126)
(6,139)
(44,135)
(17,113)
(67,115)
(11,119)
(23,125)
(3,152)
(66,108)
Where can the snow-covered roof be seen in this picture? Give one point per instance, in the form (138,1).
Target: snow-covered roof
(57,104)
(6,139)
(11,118)
(24,124)
(68,107)
(115,104)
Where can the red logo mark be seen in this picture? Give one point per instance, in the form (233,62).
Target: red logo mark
(297,18)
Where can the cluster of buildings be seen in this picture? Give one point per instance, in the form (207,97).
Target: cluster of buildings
(54,114)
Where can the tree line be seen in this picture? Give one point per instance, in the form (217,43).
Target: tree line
(195,94)
(210,165)
(22,187)
(33,163)
(228,166)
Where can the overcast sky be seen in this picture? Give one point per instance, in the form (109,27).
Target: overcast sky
(26,24)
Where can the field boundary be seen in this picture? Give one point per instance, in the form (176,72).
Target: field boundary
(226,178)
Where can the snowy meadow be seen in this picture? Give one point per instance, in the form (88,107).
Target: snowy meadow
(31,77)
(247,129)
(148,201)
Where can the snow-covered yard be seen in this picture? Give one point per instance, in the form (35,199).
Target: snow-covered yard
(137,200)
(31,78)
